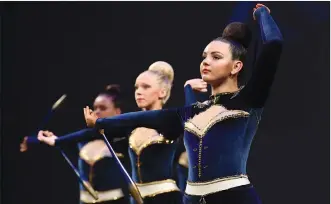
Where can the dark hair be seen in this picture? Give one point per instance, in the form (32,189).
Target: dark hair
(239,36)
(113,91)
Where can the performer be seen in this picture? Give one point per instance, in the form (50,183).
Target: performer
(95,161)
(151,153)
(218,132)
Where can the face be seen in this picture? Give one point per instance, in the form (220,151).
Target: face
(217,64)
(104,107)
(148,91)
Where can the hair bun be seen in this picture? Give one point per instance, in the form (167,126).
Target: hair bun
(113,89)
(164,68)
(238,32)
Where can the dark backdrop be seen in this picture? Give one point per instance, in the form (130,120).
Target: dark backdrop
(49,49)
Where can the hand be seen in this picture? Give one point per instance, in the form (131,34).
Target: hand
(90,117)
(47,137)
(197,85)
(259,6)
(24,145)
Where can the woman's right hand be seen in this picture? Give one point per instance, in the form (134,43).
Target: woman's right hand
(47,137)
(197,84)
(259,6)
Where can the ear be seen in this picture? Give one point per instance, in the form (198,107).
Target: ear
(237,66)
(162,93)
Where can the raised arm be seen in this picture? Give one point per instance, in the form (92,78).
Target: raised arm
(257,89)
(189,95)
(193,85)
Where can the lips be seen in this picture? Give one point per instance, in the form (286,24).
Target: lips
(205,71)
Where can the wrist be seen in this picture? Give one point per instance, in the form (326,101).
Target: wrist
(257,13)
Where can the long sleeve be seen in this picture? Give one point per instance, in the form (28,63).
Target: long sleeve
(189,95)
(33,141)
(257,89)
(78,136)
(166,121)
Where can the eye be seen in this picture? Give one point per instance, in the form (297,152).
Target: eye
(145,86)
(103,108)
(216,57)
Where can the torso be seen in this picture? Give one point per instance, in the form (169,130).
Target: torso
(151,155)
(217,137)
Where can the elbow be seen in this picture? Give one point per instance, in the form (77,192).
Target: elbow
(275,44)
(276,40)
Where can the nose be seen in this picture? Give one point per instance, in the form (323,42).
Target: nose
(138,92)
(205,62)
(97,112)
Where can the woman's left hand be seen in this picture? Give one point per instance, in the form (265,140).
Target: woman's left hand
(90,117)
(197,84)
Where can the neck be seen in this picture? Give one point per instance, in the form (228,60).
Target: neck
(156,106)
(229,85)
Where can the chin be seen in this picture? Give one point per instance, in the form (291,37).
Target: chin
(141,105)
(206,78)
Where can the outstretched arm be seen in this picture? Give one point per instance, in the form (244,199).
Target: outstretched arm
(257,90)
(71,138)
(31,141)
(28,142)
(189,95)
(78,136)
(167,121)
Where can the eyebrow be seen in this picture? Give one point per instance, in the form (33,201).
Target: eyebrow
(143,84)
(214,52)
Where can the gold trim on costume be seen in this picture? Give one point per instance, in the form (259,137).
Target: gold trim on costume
(109,195)
(156,182)
(161,192)
(157,187)
(146,137)
(202,122)
(200,157)
(96,150)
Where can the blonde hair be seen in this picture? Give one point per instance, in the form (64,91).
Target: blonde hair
(165,75)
